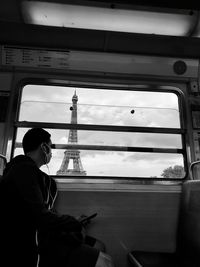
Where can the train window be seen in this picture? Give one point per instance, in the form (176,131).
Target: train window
(106,132)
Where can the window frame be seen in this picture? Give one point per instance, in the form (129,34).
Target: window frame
(148,86)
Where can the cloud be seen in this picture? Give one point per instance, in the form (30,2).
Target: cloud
(159,140)
(171,159)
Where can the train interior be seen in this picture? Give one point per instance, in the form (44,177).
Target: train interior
(117,85)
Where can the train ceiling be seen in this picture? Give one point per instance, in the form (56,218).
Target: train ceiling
(168,28)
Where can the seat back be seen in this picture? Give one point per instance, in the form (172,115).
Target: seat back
(3,163)
(189,225)
(188,241)
(190,213)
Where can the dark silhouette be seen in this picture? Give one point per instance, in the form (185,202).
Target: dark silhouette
(29,224)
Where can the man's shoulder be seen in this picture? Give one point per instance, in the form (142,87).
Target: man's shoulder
(21,159)
(20,164)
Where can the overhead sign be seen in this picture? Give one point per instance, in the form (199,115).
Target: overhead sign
(28,57)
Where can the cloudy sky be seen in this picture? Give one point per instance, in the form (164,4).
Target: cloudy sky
(107,107)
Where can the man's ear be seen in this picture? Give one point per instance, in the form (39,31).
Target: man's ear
(44,147)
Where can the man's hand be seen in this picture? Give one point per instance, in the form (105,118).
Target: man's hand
(85,223)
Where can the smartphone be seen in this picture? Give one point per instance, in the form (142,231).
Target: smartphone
(88,218)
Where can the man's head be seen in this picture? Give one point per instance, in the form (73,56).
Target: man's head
(37,140)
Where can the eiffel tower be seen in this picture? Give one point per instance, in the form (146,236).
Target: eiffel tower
(72,154)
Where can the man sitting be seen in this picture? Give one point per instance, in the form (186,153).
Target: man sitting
(29,224)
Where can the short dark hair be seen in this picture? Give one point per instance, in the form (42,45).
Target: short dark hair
(33,138)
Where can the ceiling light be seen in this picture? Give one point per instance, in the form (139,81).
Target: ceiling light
(107,19)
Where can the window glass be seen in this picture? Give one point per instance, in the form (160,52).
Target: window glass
(113,138)
(100,106)
(118,164)
(107,153)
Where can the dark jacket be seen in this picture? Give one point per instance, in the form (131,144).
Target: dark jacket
(26,196)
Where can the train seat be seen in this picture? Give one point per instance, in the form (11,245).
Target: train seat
(3,163)
(188,235)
